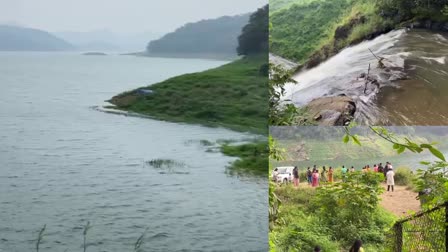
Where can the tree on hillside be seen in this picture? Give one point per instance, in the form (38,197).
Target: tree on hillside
(254,36)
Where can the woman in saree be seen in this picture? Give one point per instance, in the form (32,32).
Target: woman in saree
(315,182)
(330,174)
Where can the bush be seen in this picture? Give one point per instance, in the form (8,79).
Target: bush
(404,176)
(289,193)
(350,209)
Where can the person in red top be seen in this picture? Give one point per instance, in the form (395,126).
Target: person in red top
(375,168)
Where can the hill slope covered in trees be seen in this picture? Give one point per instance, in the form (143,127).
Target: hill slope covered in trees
(317,29)
(14,38)
(212,38)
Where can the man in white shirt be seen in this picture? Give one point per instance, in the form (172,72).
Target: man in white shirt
(390,178)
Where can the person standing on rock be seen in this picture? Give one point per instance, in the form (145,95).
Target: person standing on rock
(390,179)
(295,173)
(352,169)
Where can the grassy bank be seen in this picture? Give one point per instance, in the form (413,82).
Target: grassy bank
(233,96)
(253,158)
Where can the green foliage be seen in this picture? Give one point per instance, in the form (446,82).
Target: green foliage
(206,37)
(275,5)
(232,96)
(350,209)
(445,10)
(253,157)
(400,145)
(254,36)
(301,29)
(302,233)
(434,179)
(331,217)
(404,176)
(304,29)
(281,112)
(410,9)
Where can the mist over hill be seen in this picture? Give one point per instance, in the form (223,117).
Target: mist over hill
(15,38)
(207,37)
(106,40)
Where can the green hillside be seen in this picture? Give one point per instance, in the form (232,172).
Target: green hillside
(212,38)
(312,31)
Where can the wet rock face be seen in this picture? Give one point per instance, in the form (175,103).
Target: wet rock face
(332,111)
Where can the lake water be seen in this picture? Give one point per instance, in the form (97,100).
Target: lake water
(63,163)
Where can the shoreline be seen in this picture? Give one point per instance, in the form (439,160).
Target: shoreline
(112,109)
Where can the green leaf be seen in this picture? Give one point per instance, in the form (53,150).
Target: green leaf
(425,163)
(346,138)
(437,153)
(401,149)
(428,146)
(355,139)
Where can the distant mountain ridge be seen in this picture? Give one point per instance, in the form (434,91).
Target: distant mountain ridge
(15,38)
(105,40)
(206,37)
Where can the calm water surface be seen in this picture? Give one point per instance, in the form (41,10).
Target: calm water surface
(63,163)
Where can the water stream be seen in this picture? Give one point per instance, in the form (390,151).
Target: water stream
(412,92)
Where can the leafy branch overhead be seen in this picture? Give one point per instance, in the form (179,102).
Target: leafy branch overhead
(400,145)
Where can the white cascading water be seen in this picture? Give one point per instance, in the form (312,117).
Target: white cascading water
(418,56)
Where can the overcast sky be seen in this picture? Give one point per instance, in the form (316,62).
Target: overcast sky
(118,15)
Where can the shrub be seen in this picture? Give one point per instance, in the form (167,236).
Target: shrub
(404,176)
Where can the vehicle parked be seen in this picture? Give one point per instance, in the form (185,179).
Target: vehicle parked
(282,174)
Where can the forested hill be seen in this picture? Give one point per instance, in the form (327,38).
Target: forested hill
(313,30)
(14,38)
(204,39)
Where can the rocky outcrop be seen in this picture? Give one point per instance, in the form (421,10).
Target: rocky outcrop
(426,24)
(332,111)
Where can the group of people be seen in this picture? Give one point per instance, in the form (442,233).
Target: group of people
(314,177)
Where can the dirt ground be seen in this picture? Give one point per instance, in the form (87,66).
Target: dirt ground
(401,201)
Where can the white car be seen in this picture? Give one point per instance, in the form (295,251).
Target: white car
(283,174)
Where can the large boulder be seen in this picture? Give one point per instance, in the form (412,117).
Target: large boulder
(332,111)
